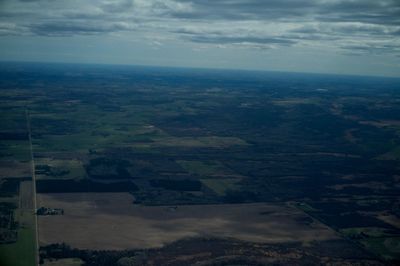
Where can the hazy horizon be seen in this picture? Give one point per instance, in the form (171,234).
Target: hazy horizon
(309,36)
(261,71)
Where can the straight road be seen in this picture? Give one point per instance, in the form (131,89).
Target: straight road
(28,125)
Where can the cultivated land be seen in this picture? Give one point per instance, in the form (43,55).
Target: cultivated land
(124,225)
(199,165)
(26,195)
(63,262)
(17,221)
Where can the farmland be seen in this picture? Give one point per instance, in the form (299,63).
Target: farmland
(86,214)
(144,162)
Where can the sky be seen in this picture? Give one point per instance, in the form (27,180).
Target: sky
(359,37)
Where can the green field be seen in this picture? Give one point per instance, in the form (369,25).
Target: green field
(386,247)
(305,207)
(203,168)
(55,168)
(14,150)
(21,253)
(365,232)
(63,262)
(221,186)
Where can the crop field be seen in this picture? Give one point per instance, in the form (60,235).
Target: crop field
(63,262)
(17,237)
(136,159)
(124,225)
(19,156)
(26,195)
(205,168)
(221,186)
(387,247)
(22,252)
(59,168)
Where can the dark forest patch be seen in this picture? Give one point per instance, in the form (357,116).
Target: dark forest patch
(62,186)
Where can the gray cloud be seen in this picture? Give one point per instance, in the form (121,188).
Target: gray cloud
(385,12)
(10,29)
(73,28)
(343,30)
(118,6)
(371,48)
(221,37)
(335,24)
(247,10)
(368,11)
(240,40)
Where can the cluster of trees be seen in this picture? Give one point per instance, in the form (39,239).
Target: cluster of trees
(49,211)
(93,258)
(50,171)
(8,226)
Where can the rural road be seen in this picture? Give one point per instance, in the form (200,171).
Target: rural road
(28,124)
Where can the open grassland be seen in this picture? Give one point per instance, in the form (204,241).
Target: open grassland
(365,231)
(220,186)
(21,253)
(386,247)
(14,150)
(394,154)
(143,136)
(296,101)
(193,142)
(11,169)
(124,225)
(26,196)
(390,219)
(208,168)
(59,168)
(63,262)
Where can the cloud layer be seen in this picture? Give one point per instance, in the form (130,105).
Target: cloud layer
(353,27)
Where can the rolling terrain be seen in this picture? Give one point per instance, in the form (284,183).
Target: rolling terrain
(150,165)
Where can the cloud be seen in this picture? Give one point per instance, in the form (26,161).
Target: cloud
(372,48)
(384,12)
(7,29)
(249,10)
(74,28)
(334,24)
(368,11)
(261,42)
(117,6)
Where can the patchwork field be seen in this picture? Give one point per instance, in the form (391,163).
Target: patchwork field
(127,226)
(160,161)
(14,169)
(26,195)
(63,262)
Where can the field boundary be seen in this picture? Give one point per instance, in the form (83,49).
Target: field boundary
(28,125)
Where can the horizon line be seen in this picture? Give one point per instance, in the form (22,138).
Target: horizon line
(203,68)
